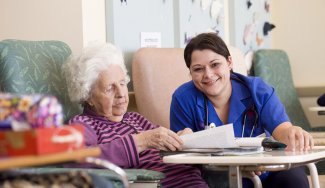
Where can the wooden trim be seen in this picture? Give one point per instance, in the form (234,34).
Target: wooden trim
(39,160)
(132,103)
(310,91)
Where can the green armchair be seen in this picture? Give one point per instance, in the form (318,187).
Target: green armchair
(274,68)
(28,67)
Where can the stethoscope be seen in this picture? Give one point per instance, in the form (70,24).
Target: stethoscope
(250,111)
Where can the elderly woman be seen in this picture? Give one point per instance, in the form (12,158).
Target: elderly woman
(98,80)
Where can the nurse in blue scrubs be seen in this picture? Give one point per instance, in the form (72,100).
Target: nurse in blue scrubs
(216,96)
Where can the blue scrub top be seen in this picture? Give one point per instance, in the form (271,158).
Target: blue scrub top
(188,107)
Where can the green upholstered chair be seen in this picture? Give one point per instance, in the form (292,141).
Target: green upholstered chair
(274,68)
(28,67)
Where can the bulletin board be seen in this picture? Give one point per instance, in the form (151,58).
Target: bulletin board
(126,19)
(196,17)
(250,24)
(175,20)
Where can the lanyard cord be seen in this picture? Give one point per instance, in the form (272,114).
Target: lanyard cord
(244,125)
(244,118)
(254,123)
(206,112)
(245,115)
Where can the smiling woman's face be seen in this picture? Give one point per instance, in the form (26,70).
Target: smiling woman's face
(210,72)
(109,96)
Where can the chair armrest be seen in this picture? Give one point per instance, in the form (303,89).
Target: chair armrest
(107,164)
(23,178)
(133,175)
(319,109)
(319,137)
(145,175)
(318,132)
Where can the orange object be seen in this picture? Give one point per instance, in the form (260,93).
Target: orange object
(41,140)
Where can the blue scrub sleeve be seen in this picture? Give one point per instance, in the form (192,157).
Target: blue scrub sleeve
(272,112)
(179,119)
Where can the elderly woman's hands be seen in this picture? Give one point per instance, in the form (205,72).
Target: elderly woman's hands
(295,137)
(159,138)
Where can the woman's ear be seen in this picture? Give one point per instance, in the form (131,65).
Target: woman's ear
(230,63)
(88,101)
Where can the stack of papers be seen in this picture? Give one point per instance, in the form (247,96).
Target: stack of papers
(219,141)
(219,137)
(216,151)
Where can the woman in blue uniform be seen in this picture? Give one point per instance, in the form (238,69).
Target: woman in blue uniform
(218,95)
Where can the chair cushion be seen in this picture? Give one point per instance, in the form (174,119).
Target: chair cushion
(28,67)
(156,73)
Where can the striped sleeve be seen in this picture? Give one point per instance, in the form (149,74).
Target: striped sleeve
(143,122)
(121,151)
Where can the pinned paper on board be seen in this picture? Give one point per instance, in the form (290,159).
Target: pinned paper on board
(267,6)
(205,4)
(249,4)
(215,11)
(267,27)
(259,40)
(249,31)
(252,24)
(151,39)
(123,1)
(200,16)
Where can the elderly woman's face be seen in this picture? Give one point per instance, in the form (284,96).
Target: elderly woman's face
(109,95)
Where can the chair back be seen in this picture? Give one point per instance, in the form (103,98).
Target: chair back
(274,68)
(29,67)
(157,72)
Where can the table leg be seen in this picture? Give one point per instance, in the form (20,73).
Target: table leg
(255,179)
(235,177)
(313,174)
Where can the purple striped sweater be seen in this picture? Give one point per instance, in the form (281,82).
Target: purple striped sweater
(118,146)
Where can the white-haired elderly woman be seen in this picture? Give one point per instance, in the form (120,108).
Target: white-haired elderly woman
(98,80)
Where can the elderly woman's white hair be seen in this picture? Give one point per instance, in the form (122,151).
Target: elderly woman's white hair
(82,72)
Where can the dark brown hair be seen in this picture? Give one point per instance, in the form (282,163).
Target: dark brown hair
(210,41)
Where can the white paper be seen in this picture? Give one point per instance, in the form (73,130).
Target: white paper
(218,137)
(241,151)
(249,141)
(151,39)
